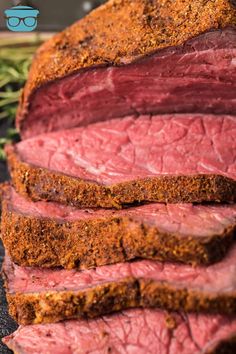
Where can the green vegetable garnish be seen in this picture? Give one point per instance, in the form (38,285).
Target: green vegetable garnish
(15,58)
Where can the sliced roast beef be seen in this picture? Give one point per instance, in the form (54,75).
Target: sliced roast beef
(134,58)
(172,158)
(40,295)
(83,238)
(134,331)
(199,77)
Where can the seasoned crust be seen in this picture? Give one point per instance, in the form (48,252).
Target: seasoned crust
(33,240)
(48,307)
(120,32)
(43,184)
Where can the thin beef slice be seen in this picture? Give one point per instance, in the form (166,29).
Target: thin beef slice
(39,295)
(134,331)
(49,234)
(172,158)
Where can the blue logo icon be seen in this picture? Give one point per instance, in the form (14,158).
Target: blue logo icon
(21,18)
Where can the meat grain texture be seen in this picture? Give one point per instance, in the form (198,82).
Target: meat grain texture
(113,64)
(37,295)
(178,158)
(49,234)
(119,58)
(134,331)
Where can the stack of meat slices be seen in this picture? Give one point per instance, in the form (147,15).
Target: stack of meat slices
(119,225)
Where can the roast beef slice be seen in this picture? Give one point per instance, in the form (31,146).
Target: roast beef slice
(39,295)
(133,331)
(48,234)
(170,158)
(133,58)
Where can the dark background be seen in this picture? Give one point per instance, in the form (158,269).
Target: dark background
(54,16)
(7,325)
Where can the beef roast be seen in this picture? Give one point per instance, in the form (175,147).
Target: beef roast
(172,158)
(40,295)
(134,58)
(83,238)
(133,331)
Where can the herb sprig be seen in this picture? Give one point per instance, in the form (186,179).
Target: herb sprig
(15,58)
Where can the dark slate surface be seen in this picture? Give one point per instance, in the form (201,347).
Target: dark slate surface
(7,325)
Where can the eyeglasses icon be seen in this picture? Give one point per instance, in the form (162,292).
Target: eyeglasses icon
(15,21)
(21,18)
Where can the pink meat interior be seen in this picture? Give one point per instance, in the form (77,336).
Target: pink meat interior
(133,331)
(130,149)
(217,278)
(199,76)
(182,219)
